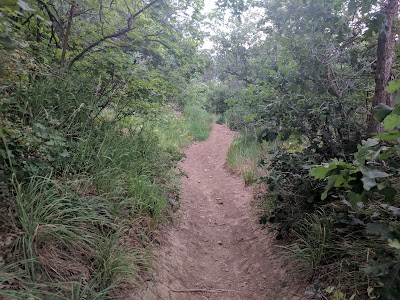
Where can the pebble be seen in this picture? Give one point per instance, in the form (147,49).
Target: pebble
(219,243)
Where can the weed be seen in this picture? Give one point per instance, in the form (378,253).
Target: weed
(220,119)
(77,171)
(172,131)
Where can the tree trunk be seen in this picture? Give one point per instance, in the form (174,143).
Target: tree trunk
(67,34)
(384,63)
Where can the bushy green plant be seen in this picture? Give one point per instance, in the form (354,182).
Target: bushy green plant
(172,130)
(367,185)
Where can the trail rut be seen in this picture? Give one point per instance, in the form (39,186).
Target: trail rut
(216,249)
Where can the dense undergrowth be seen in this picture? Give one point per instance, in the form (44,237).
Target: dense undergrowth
(323,108)
(82,192)
(89,141)
(90,136)
(339,217)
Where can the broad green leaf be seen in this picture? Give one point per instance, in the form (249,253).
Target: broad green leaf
(370,142)
(373,173)
(382,110)
(397,99)
(369,176)
(331,182)
(355,198)
(391,122)
(321,172)
(340,180)
(394,243)
(390,136)
(393,86)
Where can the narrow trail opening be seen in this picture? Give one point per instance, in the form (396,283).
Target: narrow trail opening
(216,249)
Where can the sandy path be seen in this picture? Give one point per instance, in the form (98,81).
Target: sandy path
(215,242)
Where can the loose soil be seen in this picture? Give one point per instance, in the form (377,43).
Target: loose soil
(215,248)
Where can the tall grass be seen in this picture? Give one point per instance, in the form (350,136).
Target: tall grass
(80,168)
(48,216)
(172,130)
(243,157)
(68,228)
(76,182)
(313,242)
(199,122)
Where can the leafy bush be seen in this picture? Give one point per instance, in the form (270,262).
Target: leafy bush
(358,193)
(367,186)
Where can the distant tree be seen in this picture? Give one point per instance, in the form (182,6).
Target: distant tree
(385,59)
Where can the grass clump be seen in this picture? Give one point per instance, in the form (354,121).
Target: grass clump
(199,122)
(313,240)
(172,130)
(243,156)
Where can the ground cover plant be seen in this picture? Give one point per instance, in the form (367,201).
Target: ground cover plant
(90,138)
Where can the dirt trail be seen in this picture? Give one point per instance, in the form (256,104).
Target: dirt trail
(215,248)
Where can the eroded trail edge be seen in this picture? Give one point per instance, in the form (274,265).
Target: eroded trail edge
(216,249)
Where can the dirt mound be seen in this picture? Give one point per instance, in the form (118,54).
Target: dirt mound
(216,249)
